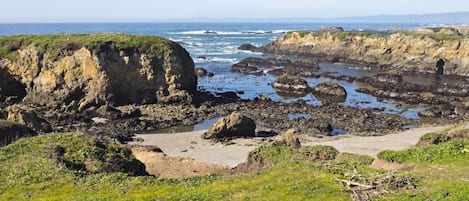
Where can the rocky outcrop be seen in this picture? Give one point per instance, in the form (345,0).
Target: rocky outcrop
(276,66)
(330,91)
(292,84)
(234,125)
(79,71)
(402,51)
(437,30)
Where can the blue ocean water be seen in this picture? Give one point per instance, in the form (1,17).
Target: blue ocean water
(218,43)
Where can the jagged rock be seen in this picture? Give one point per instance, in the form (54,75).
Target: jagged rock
(288,139)
(234,125)
(28,117)
(292,84)
(148,70)
(330,92)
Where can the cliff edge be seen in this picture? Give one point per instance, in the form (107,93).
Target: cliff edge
(402,51)
(76,71)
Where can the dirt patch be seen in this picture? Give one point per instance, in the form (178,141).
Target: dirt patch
(163,166)
(386,165)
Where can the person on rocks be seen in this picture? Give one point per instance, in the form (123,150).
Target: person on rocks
(440,67)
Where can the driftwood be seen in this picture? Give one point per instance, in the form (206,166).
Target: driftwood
(364,188)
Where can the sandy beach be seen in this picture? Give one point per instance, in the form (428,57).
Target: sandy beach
(191,145)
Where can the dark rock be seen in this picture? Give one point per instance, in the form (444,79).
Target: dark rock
(229,95)
(330,91)
(234,125)
(201,72)
(202,57)
(262,98)
(249,47)
(289,83)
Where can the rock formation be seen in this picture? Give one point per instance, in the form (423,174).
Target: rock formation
(234,125)
(291,84)
(330,92)
(402,51)
(77,71)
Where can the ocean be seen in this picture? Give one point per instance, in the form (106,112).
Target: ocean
(217,44)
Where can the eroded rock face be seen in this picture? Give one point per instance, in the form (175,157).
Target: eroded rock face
(104,72)
(405,52)
(234,125)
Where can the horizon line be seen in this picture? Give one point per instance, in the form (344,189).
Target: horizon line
(230,19)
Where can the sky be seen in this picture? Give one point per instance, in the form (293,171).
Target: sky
(161,10)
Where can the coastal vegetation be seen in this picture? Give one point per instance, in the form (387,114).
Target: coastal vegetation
(58,43)
(72,166)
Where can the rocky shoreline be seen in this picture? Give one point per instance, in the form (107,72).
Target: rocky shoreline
(53,96)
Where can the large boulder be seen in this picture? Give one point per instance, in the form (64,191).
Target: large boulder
(234,125)
(29,118)
(80,71)
(330,92)
(291,83)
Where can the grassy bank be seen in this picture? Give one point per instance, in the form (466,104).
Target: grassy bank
(74,167)
(55,44)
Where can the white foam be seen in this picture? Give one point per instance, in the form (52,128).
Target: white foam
(219,59)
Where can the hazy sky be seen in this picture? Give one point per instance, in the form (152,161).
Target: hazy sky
(135,10)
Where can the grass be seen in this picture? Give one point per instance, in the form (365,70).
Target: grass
(31,171)
(35,169)
(56,44)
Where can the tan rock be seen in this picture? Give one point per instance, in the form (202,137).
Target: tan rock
(289,139)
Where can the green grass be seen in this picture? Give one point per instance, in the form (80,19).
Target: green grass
(55,44)
(443,168)
(30,170)
(37,169)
